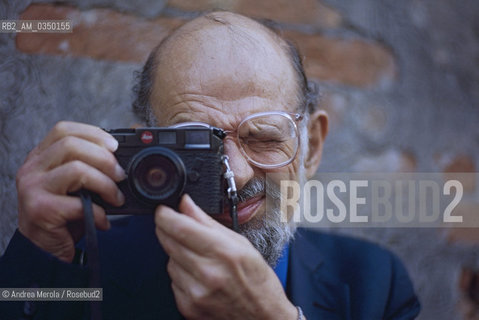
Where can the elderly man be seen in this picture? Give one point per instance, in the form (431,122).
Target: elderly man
(233,73)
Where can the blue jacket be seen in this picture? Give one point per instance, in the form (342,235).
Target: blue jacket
(329,276)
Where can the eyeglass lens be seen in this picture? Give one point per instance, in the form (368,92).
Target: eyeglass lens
(269,139)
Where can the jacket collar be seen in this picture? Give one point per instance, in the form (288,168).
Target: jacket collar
(313,284)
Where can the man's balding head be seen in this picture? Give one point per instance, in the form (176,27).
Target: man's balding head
(230,35)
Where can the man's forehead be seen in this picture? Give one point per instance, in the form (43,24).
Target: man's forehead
(225,56)
(228,26)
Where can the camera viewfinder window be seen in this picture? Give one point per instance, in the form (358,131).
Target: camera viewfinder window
(197,139)
(167,137)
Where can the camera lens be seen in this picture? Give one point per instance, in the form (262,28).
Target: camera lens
(156,177)
(157,174)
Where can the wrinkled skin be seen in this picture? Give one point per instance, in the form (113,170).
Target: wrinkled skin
(212,72)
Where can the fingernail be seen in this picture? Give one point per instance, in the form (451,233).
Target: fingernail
(158,210)
(119,172)
(186,198)
(111,144)
(120,197)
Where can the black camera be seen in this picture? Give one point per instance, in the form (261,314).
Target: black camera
(164,163)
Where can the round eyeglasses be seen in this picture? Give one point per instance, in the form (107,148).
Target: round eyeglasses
(267,139)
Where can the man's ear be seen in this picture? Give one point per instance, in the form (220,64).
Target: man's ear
(317,132)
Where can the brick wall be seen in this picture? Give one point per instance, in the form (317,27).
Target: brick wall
(400,82)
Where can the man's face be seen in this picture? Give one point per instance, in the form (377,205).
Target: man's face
(217,75)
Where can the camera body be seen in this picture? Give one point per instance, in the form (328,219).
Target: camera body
(162,164)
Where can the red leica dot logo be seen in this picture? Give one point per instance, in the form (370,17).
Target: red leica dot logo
(147,137)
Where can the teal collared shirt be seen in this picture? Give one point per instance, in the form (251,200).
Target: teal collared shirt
(281,268)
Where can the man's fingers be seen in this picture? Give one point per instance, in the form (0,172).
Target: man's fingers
(84,131)
(77,227)
(189,207)
(73,211)
(193,235)
(183,301)
(72,156)
(184,229)
(183,256)
(100,218)
(77,175)
(187,289)
(58,210)
(179,275)
(72,148)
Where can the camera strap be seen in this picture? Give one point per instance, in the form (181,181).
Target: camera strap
(231,192)
(93,256)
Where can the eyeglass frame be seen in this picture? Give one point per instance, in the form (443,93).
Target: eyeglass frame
(294,117)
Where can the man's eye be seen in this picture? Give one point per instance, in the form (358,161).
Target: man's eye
(268,139)
(263,141)
(268,134)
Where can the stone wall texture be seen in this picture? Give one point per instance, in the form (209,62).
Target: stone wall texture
(400,82)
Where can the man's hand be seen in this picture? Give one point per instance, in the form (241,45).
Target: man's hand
(217,273)
(73,156)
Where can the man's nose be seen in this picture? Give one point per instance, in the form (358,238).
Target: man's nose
(242,170)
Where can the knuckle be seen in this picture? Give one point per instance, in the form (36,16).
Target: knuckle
(244,256)
(34,152)
(61,127)
(241,258)
(181,231)
(24,174)
(214,280)
(20,175)
(21,181)
(170,268)
(231,257)
(198,296)
(29,204)
(77,168)
(68,144)
(35,205)
(83,180)
(25,183)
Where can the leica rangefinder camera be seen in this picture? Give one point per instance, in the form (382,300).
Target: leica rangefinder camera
(164,163)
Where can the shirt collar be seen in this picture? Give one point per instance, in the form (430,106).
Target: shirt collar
(281,268)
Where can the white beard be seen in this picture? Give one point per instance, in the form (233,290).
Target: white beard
(267,233)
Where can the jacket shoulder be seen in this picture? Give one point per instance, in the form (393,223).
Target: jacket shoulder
(375,276)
